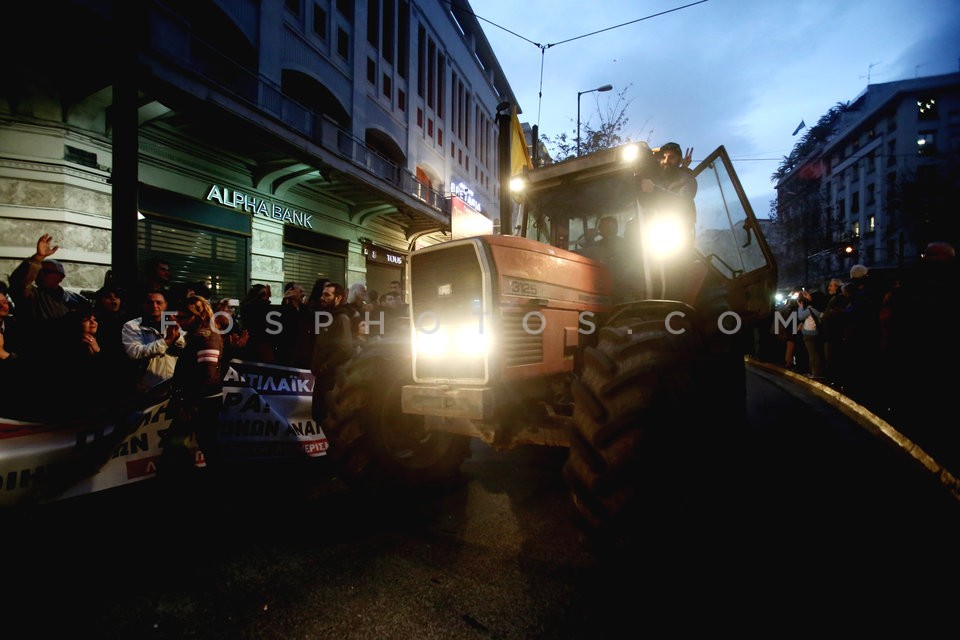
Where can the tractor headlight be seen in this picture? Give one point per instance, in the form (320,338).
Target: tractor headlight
(665,236)
(432,344)
(630,153)
(444,342)
(469,341)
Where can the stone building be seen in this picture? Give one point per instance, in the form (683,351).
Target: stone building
(246,141)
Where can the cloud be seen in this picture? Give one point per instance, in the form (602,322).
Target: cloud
(738,73)
(936,50)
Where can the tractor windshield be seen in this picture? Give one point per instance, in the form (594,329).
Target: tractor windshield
(567,215)
(567,205)
(725,229)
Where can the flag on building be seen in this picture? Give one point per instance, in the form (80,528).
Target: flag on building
(519,151)
(802,125)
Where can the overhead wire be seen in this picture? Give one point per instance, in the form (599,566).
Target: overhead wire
(543,47)
(624,24)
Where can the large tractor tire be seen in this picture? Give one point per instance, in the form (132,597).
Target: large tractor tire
(641,432)
(374,444)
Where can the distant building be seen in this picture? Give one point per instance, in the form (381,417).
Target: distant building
(876,191)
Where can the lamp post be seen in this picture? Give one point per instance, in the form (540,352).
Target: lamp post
(503,151)
(606,87)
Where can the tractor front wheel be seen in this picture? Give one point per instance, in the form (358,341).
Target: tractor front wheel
(375,444)
(636,423)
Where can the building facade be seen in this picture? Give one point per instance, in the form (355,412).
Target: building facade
(246,141)
(883,184)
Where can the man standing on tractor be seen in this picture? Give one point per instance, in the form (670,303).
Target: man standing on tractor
(676,175)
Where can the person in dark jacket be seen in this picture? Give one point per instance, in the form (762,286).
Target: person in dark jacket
(334,345)
(673,187)
(255,316)
(42,303)
(91,377)
(862,338)
(831,328)
(295,340)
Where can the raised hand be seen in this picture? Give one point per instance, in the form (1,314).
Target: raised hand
(687,158)
(45,246)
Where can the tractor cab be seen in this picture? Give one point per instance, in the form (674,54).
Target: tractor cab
(651,232)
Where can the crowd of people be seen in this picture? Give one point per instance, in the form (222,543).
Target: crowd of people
(106,349)
(877,339)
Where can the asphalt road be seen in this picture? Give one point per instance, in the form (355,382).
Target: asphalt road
(811,520)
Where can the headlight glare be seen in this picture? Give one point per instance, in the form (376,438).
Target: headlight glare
(470,342)
(665,236)
(454,341)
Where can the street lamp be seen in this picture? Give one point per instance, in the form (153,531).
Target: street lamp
(606,87)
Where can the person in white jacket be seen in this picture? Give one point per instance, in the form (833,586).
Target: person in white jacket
(154,340)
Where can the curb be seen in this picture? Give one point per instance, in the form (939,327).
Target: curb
(862,416)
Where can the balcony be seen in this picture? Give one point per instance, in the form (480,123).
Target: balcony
(195,66)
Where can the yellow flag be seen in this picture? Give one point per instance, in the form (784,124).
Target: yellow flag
(519,151)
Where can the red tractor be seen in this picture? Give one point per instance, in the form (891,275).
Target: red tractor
(556,336)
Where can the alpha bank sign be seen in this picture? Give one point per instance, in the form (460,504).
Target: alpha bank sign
(258,206)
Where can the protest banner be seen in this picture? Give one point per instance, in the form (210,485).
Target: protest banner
(266,415)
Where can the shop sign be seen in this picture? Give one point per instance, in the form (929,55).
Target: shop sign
(462,191)
(259,206)
(374,253)
(467,223)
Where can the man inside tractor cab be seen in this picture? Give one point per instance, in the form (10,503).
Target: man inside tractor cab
(606,248)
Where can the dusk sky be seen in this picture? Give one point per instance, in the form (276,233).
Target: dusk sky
(739,73)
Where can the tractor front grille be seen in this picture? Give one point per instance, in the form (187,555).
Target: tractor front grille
(446,287)
(521,345)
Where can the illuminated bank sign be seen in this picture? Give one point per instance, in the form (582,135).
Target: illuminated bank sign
(259,206)
(462,191)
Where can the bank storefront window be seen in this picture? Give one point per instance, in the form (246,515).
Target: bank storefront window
(308,256)
(218,260)
(306,267)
